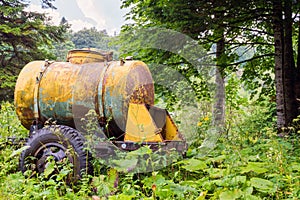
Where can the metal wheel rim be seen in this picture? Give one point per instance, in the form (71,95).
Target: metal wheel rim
(58,151)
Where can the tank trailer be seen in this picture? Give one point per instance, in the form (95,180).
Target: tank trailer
(52,98)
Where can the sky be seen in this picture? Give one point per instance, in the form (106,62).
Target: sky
(101,14)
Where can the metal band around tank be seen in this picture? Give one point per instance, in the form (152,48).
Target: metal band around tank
(36,88)
(100,93)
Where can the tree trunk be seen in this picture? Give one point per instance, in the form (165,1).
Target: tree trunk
(297,80)
(289,65)
(279,76)
(219,105)
(284,64)
(218,118)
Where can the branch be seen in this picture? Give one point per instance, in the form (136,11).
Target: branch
(250,43)
(253,30)
(250,59)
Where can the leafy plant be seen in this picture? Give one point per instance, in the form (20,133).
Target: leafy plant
(248,163)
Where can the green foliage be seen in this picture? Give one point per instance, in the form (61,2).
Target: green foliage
(245,164)
(241,36)
(61,50)
(10,125)
(174,55)
(92,38)
(7,84)
(25,36)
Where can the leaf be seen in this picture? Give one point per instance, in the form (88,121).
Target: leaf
(194,165)
(254,167)
(263,185)
(231,195)
(217,159)
(51,182)
(49,169)
(231,181)
(248,190)
(113,178)
(251,197)
(216,172)
(158,180)
(202,196)
(63,173)
(18,151)
(238,179)
(254,158)
(144,150)
(121,196)
(180,189)
(294,167)
(125,165)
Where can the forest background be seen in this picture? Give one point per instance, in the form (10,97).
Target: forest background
(252,98)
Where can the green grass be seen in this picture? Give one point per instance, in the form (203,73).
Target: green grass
(246,164)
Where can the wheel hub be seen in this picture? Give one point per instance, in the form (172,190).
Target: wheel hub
(55,150)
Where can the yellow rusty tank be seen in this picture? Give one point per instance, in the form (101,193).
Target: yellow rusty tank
(66,91)
(88,55)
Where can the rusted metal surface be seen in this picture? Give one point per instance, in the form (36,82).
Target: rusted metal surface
(121,93)
(130,83)
(164,121)
(85,92)
(67,91)
(24,92)
(81,56)
(56,92)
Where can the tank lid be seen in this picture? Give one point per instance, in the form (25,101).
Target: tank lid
(88,55)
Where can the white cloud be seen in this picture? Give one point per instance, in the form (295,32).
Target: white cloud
(76,25)
(89,9)
(104,14)
(55,16)
(79,24)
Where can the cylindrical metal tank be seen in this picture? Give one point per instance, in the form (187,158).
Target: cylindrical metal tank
(65,91)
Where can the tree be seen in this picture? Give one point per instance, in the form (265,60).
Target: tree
(284,63)
(254,24)
(25,36)
(61,49)
(277,27)
(47,4)
(201,20)
(91,38)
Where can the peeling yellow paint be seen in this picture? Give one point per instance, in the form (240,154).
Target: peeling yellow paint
(140,126)
(123,91)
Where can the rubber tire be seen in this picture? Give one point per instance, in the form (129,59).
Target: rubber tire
(65,137)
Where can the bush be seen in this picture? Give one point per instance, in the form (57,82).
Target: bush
(256,165)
